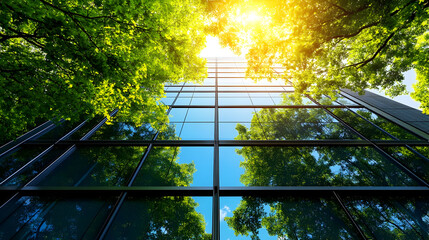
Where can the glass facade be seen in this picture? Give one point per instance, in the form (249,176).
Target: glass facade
(237,160)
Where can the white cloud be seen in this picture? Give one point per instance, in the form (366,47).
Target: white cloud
(224,211)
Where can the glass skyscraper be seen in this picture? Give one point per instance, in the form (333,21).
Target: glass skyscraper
(237,160)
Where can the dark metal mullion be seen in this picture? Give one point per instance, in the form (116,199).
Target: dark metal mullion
(321,142)
(67,153)
(29,163)
(215,200)
(373,124)
(349,216)
(114,212)
(262,106)
(26,139)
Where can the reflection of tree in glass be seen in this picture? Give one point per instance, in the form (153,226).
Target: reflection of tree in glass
(49,218)
(291,218)
(293,124)
(124,131)
(303,166)
(318,166)
(16,159)
(159,218)
(386,125)
(161,168)
(413,161)
(391,218)
(155,218)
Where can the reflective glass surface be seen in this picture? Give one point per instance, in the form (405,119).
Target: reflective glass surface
(124,131)
(283,218)
(96,166)
(30,170)
(308,166)
(280,124)
(400,217)
(386,125)
(413,159)
(17,158)
(51,218)
(361,125)
(163,218)
(177,166)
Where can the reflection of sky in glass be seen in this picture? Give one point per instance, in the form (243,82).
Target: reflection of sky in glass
(205,208)
(203,160)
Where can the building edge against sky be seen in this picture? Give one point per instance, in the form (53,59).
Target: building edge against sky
(236,158)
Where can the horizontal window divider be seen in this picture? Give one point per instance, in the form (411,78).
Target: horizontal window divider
(262,143)
(292,191)
(269,143)
(203,86)
(247,77)
(263,106)
(382,191)
(109,190)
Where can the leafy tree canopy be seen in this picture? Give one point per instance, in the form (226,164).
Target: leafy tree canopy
(66,59)
(328,45)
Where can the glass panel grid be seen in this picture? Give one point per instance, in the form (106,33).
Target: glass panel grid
(179,173)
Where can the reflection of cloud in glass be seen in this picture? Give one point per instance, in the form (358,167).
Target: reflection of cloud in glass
(223,212)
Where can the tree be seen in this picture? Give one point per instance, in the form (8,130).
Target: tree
(328,45)
(68,59)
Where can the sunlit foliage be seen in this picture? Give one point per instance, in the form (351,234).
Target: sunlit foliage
(328,45)
(66,59)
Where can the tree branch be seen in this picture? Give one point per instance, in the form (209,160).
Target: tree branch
(365,62)
(73,13)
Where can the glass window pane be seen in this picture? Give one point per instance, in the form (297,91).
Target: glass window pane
(39,164)
(391,217)
(361,125)
(177,166)
(412,160)
(197,131)
(124,131)
(96,166)
(262,101)
(17,158)
(49,218)
(182,101)
(388,126)
(283,218)
(171,132)
(200,115)
(163,218)
(177,114)
(88,126)
(308,166)
(202,101)
(58,131)
(234,101)
(167,101)
(236,114)
(285,124)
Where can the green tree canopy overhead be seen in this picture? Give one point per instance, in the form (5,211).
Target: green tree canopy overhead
(327,45)
(73,58)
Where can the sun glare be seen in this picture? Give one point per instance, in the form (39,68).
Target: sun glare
(249,18)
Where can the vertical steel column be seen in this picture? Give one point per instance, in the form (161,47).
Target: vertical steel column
(216,217)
